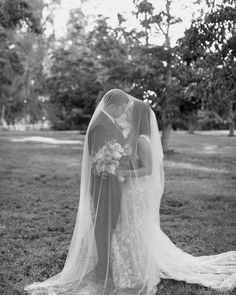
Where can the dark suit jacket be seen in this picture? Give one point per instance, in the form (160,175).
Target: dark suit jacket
(102,130)
(106,193)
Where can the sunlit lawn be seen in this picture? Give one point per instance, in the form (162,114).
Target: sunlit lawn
(39,194)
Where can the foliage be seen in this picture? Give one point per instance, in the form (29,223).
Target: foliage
(72,81)
(73,89)
(15,18)
(212,41)
(112,48)
(149,77)
(159,61)
(72,73)
(86,65)
(19,13)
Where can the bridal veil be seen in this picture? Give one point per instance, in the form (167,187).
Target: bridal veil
(117,245)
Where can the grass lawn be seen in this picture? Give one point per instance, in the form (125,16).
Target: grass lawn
(39,194)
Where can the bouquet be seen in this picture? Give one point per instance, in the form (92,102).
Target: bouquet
(109,158)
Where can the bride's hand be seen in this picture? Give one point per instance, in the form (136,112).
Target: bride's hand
(120,175)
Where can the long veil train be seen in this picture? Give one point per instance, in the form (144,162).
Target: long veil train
(118,246)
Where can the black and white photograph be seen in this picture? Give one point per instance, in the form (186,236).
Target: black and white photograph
(117,147)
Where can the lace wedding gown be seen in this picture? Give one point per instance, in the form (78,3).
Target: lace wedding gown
(138,239)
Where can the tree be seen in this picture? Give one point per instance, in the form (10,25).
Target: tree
(213,39)
(159,62)
(14,16)
(111,47)
(191,73)
(19,13)
(72,81)
(190,104)
(144,12)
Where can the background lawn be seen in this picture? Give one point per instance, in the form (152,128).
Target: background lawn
(39,194)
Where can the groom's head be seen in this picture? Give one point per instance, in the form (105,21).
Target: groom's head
(115,102)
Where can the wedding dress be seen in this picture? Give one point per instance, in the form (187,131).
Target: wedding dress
(118,246)
(136,237)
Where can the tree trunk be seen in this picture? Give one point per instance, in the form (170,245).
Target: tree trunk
(191,124)
(231,128)
(166,136)
(191,128)
(231,119)
(146,31)
(2,116)
(167,115)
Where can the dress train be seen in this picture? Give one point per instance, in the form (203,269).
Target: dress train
(142,252)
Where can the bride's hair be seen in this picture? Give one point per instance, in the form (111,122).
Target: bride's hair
(141,117)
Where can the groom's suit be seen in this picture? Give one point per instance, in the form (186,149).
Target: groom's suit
(106,193)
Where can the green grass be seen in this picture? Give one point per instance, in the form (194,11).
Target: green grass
(39,194)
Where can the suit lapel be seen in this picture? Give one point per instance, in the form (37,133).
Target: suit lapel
(106,120)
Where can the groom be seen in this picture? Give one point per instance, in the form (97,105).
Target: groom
(106,191)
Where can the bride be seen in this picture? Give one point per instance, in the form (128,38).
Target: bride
(118,246)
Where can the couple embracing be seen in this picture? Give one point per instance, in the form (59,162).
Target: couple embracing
(118,246)
(115,210)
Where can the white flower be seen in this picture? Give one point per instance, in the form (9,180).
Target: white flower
(117,155)
(107,157)
(111,169)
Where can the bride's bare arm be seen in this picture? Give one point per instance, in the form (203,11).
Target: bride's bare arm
(145,155)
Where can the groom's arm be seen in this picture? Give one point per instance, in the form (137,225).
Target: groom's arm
(99,136)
